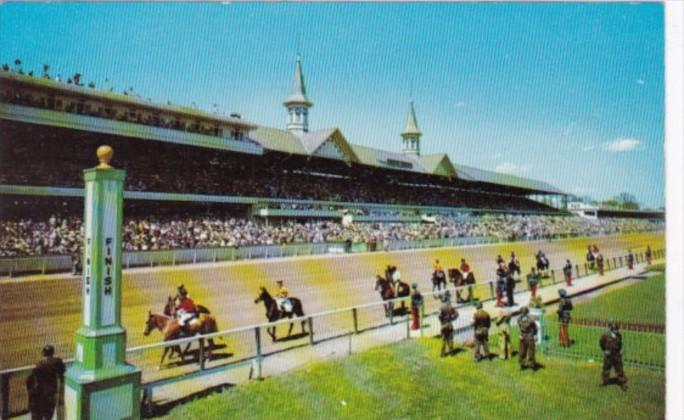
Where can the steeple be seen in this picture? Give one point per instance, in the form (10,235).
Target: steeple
(297,103)
(411,134)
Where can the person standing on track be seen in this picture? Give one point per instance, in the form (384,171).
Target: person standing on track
(564,308)
(514,266)
(416,305)
(600,264)
(481,323)
(504,330)
(630,260)
(611,345)
(591,258)
(528,331)
(510,287)
(533,282)
(43,385)
(567,272)
(500,284)
(447,315)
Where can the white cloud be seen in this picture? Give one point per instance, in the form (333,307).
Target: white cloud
(622,144)
(511,168)
(589,147)
(640,82)
(460,104)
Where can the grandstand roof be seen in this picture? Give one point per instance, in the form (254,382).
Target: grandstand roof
(437,164)
(481,175)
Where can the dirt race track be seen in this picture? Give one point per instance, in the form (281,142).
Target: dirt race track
(46,309)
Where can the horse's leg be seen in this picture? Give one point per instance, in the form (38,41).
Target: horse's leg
(185,352)
(289,332)
(161,362)
(272,332)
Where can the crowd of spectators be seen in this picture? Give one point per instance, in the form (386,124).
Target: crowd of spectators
(64,235)
(205,126)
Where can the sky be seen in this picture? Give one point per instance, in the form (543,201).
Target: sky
(571,94)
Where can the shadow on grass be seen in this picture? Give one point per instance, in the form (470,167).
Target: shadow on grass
(161,409)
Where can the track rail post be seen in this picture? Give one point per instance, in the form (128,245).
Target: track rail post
(309,320)
(4,396)
(355,318)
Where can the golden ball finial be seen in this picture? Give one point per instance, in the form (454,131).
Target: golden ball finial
(104,155)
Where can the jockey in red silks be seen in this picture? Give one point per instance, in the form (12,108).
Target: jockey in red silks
(465,268)
(186,310)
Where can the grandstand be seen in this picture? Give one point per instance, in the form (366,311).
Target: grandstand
(185,165)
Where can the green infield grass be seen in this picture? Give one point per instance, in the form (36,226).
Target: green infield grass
(643,302)
(410,380)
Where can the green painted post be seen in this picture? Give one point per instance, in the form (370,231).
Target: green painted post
(100,384)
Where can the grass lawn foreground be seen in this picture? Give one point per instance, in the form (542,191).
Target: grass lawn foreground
(409,380)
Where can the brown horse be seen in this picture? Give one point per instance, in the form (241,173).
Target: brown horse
(459,281)
(274,313)
(386,289)
(172,330)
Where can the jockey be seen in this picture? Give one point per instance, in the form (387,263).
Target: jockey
(186,310)
(465,268)
(282,298)
(396,275)
(437,266)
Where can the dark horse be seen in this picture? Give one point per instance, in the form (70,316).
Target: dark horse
(438,280)
(172,330)
(459,281)
(274,313)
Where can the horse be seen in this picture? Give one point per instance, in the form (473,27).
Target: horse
(172,330)
(542,264)
(274,313)
(438,280)
(386,289)
(457,278)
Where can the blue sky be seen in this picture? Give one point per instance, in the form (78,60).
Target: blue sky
(567,93)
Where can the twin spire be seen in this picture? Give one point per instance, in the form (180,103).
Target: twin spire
(298,104)
(411,134)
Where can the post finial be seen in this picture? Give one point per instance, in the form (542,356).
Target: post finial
(104,155)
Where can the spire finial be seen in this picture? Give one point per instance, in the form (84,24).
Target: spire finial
(411,90)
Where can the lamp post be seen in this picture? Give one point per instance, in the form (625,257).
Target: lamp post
(100,384)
